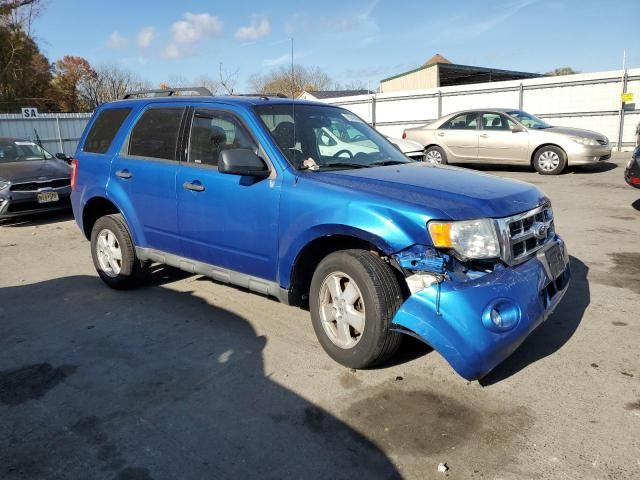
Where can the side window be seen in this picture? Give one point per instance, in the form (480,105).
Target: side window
(214,131)
(156,133)
(495,121)
(104,129)
(464,121)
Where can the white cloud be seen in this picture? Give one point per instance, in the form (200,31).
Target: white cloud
(258,28)
(195,26)
(272,62)
(145,37)
(116,40)
(171,51)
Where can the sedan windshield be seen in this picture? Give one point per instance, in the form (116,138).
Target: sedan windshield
(326,137)
(21,151)
(528,120)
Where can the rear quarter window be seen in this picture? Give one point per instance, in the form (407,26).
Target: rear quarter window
(156,134)
(104,129)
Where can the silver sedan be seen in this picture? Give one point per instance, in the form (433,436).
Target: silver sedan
(508,136)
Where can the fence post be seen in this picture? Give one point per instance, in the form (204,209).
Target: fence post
(373,110)
(439,103)
(59,133)
(621,124)
(521,97)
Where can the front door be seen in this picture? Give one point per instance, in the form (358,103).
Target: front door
(145,175)
(226,220)
(499,142)
(460,137)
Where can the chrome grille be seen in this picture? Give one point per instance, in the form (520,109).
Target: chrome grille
(37,185)
(524,234)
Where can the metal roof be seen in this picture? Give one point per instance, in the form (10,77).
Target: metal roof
(456,74)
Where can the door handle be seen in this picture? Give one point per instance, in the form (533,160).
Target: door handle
(126,174)
(484,135)
(440,134)
(196,187)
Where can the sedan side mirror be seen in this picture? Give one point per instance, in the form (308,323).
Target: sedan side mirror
(242,161)
(62,156)
(518,128)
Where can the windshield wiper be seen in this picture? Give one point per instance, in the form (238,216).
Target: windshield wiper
(384,163)
(343,164)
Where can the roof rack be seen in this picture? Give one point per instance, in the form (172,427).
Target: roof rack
(168,92)
(260,95)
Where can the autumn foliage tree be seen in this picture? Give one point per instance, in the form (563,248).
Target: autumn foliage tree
(290,82)
(25,73)
(70,74)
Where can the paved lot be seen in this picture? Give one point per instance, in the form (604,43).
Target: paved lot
(186,378)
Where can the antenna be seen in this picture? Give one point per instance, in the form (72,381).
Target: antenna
(293,99)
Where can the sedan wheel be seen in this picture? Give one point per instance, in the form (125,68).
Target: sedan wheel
(549,160)
(342,310)
(435,155)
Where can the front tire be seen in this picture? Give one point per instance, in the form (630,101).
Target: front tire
(550,160)
(353,298)
(113,253)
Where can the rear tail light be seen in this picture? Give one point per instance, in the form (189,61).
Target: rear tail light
(74,173)
(404,135)
(635,180)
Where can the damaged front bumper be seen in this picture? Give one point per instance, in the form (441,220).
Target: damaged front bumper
(458,319)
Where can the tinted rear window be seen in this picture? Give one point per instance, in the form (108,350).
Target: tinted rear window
(156,133)
(104,129)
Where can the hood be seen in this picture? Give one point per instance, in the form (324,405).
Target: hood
(34,170)
(445,192)
(405,145)
(574,132)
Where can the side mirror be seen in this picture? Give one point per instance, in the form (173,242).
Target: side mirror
(62,156)
(242,161)
(518,128)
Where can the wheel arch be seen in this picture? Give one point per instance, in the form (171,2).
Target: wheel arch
(312,253)
(95,208)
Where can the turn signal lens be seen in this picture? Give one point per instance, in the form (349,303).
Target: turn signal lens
(74,173)
(440,234)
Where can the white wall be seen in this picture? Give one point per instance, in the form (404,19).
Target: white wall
(588,100)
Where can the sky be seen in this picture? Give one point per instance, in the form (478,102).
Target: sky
(361,41)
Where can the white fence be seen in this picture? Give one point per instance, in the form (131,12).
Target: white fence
(58,132)
(590,101)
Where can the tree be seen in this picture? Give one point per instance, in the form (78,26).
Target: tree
(290,83)
(109,83)
(25,73)
(70,74)
(562,71)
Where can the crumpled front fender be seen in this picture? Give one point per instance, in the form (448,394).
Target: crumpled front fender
(448,316)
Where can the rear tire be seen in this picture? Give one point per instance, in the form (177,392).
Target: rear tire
(550,160)
(353,327)
(435,154)
(114,254)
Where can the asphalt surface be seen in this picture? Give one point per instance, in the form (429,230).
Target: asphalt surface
(189,379)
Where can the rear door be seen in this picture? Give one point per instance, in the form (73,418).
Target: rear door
(460,136)
(144,174)
(499,143)
(226,220)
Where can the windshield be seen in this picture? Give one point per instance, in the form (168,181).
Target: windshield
(528,120)
(21,151)
(327,137)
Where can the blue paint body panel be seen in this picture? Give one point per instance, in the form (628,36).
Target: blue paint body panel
(260,227)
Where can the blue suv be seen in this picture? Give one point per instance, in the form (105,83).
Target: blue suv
(307,203)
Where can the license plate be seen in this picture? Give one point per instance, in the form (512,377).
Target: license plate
(46,197)
(555,259)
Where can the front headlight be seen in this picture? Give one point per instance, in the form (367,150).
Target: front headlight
(474,239)
(585,141)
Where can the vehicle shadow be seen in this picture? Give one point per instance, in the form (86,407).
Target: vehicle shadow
(552,334)
(38,219)
(154,383)
(599,167)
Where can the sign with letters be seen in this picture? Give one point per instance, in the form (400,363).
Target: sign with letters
(29,112)
(626,97)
